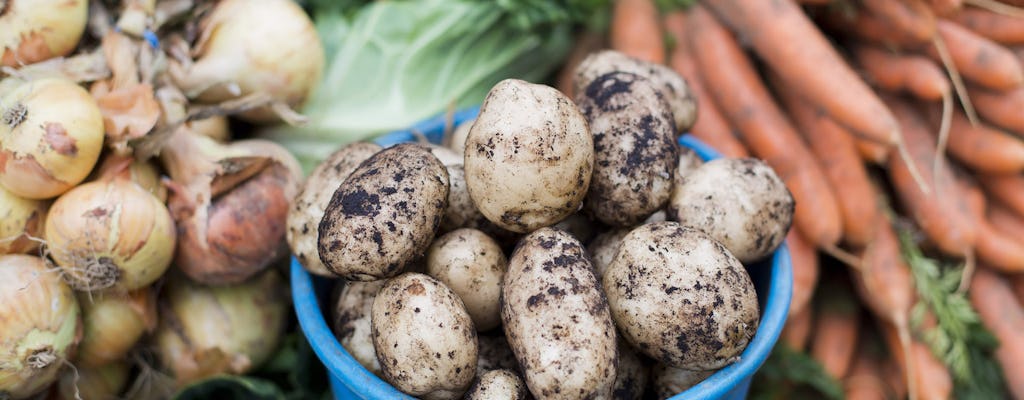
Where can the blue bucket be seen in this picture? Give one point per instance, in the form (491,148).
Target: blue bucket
(349,380)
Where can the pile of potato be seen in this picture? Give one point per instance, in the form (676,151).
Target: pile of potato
(555,247)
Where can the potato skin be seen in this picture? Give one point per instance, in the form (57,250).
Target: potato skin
(635,149)
(471,264)
(307,209)
(385,214)
(679,297)
(352,310)
(740,202)
(529,156)
(667,381)
(423,337)
(495,353)
(557,319)
(603,248)
(498,384)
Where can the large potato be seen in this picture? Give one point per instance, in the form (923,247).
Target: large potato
(384,215)
(423,337)
(529,156)
(739,202)
(352,310)
(635,149)
(679,297)
(472,265)
(556,319)
(307,209)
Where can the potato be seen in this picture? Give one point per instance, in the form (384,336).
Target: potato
(671,85)
(499,384)
(579,226)
(668,382)
(680,297)
(495,353)
(557,320)
(352,309)
(457,140)
(461,212)
(739,202)
(635,149)
(445,155)
(385,214)
(529,156)
(315,194)
(423,337)
(632,373)
(603,248)
(689,161)
(471,264)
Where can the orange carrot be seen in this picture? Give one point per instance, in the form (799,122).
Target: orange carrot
(869,28)
(836,328)
(764,128)
(978,59)
(945,7)
(636,30)
(1018,286)
(1003,315)
(586,43)
(930,375)
(836,152)
(804,259)
(797,330)
(980,147)
(895,72)
(1003,109)
(865,380)
(1000,251)
(710,127)
(872,152)
(913,17)
(1005,220)
(994,26)
(895,379)
(1008,189)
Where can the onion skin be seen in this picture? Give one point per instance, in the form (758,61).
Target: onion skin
(51,135)
(143,173)
(210,330)
(40,327)
(112,324)
(20,219)
(101,383)
(37,30)
(215,128)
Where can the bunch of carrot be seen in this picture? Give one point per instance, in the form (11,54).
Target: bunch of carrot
(875,113)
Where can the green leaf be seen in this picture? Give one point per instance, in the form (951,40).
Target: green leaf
(231,388)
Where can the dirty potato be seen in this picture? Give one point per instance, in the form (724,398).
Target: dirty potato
(423,337)
(667,382)
(603,248)
(632,373)
(689,161)
(495,353)
(352,308)
(315,194)
(471,264)
(529,156)
(680,297)
(457,140)
(556,319)
(635,149)
(385,214)
(499,384)
(740,202)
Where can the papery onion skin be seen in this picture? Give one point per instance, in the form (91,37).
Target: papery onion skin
(215,128)
(104,382)
(143,173)
(21,220)
(51,135)
(41,325)
(269,46)
(37,30)
(112,324)
(209,330)
(110,234)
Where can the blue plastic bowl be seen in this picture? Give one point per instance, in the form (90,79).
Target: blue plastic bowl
(349,380)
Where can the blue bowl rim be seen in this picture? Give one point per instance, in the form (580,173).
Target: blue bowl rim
(346,369)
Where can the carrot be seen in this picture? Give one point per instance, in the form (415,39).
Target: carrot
(867,27)
(1003,315)
(896,72)
(994,26)
(1000,251)
(745,101)
(1008,189)
(636,30)
(797,330)
(981,147)
(894,377)
(1001,108)
(945,7)
(872,152)
(586,42)
(1005,220)
(865,380)
(836,152)
(836,328)
(930,375)
(942,214)
(710,127)
(804,259)
(978,59)
(913,17)
(1018,286)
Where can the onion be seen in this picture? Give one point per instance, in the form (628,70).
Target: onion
(21,222)
(40,325)
(215,127)
(51,135)
(110,234)
(246,46)
(143,173)
(104,382)
(36,30)
(112,324)
(210,330)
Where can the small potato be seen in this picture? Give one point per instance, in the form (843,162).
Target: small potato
(679,297)
(672,85)
(423,337)
(689,161)
(315,194)
(447,156)
(556,319)
(385,214)
(740,202)
(495,353)
(499,384)
(668,382)
(633,373)
(635,149)
(529,156)
(462,213)
(457,140)
(352,321)
(471,264)
(602,250)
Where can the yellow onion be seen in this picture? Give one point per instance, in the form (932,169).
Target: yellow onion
(211,330)
(21,222)
(36,30)
(249,46)
(40,327)
(112,324)
(51,134)
(215,128)
(110,234)
(104,382)
(143,173)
